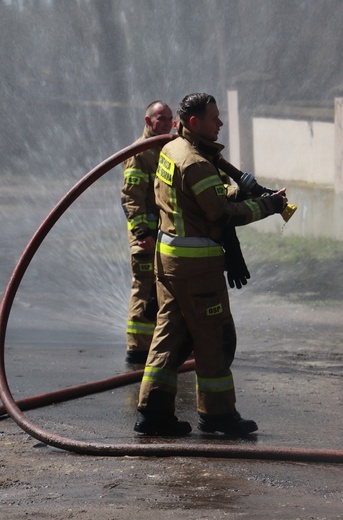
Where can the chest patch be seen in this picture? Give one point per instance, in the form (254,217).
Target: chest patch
(165,169)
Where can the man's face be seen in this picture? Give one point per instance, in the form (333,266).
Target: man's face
(209,126)
(161,120)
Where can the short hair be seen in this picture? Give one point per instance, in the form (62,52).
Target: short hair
(150,108)
(194,105)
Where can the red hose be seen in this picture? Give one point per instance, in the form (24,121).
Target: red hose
(74,392)
(14,409)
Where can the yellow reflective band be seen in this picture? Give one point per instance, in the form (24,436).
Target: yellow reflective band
(216,309)
(177,213)
(210,182)
(189,252)
(140,219)
(134,176)
(254,208)
(146,267)
(152,225)
(139,327)
(218,384)
(160,376)
(165,169)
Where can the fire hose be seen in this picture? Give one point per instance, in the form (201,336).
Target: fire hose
(15,408)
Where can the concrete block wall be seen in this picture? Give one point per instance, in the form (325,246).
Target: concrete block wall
(302,149)
(294,150)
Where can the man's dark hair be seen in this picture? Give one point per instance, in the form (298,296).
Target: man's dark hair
(194,105)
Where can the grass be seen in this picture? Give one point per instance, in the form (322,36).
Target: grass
(262,247)
(300,268)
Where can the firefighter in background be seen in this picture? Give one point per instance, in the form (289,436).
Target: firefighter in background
(197,220)
(138,202)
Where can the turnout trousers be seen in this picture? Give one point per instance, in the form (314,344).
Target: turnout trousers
(140,328)
(194,314)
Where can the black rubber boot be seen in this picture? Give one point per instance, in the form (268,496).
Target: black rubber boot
(137,357)
(157,417)
(162,425)
(229,424)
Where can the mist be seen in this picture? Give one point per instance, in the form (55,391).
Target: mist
(76,76)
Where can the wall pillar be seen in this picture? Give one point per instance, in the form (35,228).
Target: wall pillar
(241,152)
(338,145)
(234,137)
(248,91)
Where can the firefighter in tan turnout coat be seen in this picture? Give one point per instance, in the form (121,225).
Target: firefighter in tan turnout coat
(138,202)
(197,218)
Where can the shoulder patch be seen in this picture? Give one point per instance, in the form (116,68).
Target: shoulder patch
(220,190)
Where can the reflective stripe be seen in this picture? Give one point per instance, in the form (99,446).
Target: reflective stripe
(217,384)
(177,213)
(139,327)
(150,220)
(165,172)
(186,241)
(160,376)
(140,219)
(152,225)
(254,208)
(187,247)
(134,176)
(204,184)
(146,267)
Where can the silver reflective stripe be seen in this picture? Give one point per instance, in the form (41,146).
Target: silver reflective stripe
(185,241)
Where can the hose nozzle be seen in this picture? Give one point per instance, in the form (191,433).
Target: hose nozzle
(288,212)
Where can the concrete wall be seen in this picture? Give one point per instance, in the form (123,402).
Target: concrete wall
(294,150)
(319,212)
(300,148)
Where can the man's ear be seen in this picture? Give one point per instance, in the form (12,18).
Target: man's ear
(148,121)
(193,123)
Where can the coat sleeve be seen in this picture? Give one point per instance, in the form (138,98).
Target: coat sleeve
(134,194)
(210,194)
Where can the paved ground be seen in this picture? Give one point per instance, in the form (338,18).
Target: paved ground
(67,328)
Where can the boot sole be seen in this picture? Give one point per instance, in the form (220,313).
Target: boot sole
(233,431)
(160,432)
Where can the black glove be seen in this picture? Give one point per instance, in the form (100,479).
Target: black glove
(237,271)
(277,202)
(248,183)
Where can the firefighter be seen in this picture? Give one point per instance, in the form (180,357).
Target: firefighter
(138,202)
(197,217)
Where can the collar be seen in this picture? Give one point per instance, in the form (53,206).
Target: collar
(148,132)
(205,147)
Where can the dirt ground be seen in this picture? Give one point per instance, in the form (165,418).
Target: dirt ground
(291,384)
(40,483)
